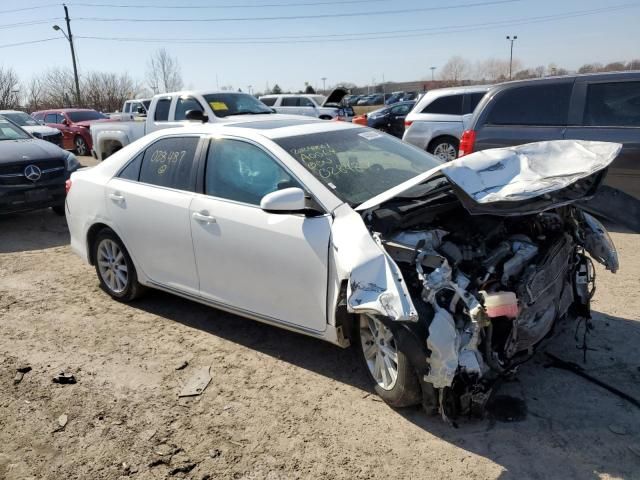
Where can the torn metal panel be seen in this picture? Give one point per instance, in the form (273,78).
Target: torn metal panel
(375,283)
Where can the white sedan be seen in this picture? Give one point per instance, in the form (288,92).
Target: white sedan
(444,276)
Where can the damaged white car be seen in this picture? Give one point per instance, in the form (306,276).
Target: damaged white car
(444,276)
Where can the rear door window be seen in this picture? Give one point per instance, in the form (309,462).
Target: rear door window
(185,104)
(613,105)
(538,105)
(447,105)
(169,162)
(290,102)
(162,110)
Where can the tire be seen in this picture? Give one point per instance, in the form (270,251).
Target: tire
(404,390)
(82,148)
(58,210)
(445,148)
(114,267)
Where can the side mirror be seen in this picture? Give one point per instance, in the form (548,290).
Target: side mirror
(196,116)
(64,121)
(141,111)
(287,200)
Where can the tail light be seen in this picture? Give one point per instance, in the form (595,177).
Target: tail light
(67,186)
(467,142)
(407,123)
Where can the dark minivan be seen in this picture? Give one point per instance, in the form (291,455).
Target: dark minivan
(603,107)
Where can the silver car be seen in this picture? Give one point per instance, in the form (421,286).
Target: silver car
(437,121)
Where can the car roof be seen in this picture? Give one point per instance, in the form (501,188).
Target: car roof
(184,93)
(66,110)
(268,128)
(2,112)
(626,75)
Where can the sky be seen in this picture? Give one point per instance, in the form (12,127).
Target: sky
(356,41)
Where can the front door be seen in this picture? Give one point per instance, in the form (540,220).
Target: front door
(273,265)
(57,120)
(149,204)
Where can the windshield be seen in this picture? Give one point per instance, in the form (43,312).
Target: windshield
(9,131)
(85,116)
(227,104)
(358,164)
(22,119)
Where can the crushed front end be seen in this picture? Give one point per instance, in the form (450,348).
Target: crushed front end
(488,281)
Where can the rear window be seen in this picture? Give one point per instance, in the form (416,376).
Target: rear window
(448,105)
(613,104)
(85,116)
(162,110)
(269,102)
(169,162)
(541,105)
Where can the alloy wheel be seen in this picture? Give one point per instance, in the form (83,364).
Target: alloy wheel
(380,351)
(112,266)
(445,151)
(81,146)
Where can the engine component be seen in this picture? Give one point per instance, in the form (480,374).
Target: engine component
(523,251)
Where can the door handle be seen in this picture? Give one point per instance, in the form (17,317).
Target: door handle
(116,197)
(203,217)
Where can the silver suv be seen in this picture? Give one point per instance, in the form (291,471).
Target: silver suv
(437,121)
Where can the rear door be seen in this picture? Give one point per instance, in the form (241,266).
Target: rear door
(610,111)
(267,264)
(524,114)
(149,202)
(289,105)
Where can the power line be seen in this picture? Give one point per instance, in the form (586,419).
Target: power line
(209,7)
(391,34)
(23,9)
(27,24)
(299,17)
(29,42)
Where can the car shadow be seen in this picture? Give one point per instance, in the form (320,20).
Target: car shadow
(566,424)
(34,230)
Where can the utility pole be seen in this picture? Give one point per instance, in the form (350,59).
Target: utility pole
(433,69)
(515,37)
(69,37)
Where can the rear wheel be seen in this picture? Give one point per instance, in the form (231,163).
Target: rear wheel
(114,267)
(445,148)
(81,146)
(395,381)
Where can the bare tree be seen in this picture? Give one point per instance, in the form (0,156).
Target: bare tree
(163,72)
(614,67)
(107,92)
(9,89)
(634,64)
(34,95)
(456,70)
(495,69)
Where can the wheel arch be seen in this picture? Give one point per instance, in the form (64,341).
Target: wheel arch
(434,141)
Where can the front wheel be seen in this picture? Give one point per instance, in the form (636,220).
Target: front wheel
(81,146)
(394,379)
(114,267)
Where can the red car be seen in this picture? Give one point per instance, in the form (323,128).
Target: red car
(74,124)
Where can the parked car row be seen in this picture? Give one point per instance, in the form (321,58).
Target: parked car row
(389,119)
(319,106)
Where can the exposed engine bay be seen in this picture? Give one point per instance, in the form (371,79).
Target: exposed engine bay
(488,289)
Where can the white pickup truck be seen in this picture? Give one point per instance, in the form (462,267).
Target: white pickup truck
(176,109)
(132,109)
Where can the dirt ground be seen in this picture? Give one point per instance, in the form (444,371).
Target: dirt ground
(280,405)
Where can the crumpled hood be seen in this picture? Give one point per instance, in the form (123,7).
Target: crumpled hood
(515,174)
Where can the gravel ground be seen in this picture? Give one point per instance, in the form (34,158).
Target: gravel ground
(280,405)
